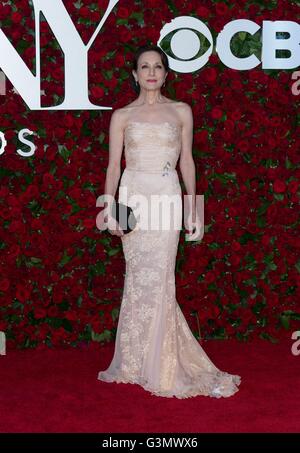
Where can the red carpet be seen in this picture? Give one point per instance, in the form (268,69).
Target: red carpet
(58,391)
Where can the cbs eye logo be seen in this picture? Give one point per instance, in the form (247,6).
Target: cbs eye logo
(187,30)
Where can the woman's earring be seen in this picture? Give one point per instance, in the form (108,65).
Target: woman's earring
(136,82)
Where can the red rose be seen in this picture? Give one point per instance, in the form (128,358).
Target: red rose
(293,186)
(5,11)
(29,53)
(59,133)
(89,223)
(123,12)
(210,75)
(68,120)
(55,276)
(36,224)
(39,313)
(214,59)
(71,316)
(48,179)
(234,260)
(216,113)
(201,136)
(16,17)
(119,61)
(84,12)
(96,326)
(97,92)
(221,9)
(235,246)
(202,12)
(75,192)
(236,85)
(16,226)
(243,146)
(57,74)
(213,312)
(154,3)
(22,293)
(210,277)
(275,299)
(279,186)
(53,311)
(14,250)
(32,191)
(265,239)
(4,284)
(125,35)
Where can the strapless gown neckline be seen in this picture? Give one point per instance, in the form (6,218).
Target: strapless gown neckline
(149,123)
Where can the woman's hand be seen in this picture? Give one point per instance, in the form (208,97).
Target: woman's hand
(194,225)
(106,221)
(114,227)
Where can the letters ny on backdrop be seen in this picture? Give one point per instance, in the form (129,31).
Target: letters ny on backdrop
(184,44)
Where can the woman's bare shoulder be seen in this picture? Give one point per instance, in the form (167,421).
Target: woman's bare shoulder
(122,115)
(182,111)
(183,105)
(174,102)
(183,108)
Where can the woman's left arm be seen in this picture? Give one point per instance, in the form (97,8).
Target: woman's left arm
(186,160)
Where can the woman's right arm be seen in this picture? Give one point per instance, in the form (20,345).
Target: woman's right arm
(113,172)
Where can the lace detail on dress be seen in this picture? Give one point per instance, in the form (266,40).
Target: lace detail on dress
(155,347)
(150,147)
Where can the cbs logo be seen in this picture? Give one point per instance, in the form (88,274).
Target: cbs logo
(188,38)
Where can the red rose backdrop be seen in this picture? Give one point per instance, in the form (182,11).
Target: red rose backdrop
(61,280)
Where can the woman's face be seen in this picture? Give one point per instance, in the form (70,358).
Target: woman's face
(150,72)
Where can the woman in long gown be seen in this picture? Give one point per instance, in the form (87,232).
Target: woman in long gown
(155,347)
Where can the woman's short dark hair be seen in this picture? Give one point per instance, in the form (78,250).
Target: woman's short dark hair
(138,53)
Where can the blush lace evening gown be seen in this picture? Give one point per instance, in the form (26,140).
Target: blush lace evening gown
(155,347)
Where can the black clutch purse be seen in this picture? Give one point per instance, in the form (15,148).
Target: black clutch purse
(125,217)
